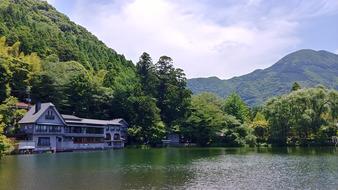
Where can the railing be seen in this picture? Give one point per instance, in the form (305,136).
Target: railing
(47,129)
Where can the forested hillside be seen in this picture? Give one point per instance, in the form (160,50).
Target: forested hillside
(307,67)
(45,57)
(41,29)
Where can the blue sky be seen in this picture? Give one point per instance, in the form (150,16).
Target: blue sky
(223,38)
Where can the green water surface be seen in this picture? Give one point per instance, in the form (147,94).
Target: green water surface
(174,168)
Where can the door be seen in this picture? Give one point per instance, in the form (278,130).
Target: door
(58,143)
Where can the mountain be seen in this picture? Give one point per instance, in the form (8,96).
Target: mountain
(40,28)
(307,67)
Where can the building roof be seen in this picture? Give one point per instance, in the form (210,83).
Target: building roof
(70,120)
(22,105)
(70,117)
(32,117)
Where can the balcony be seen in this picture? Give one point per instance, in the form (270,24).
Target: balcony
(43,129)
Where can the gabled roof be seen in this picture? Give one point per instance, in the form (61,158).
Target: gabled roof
(32,117)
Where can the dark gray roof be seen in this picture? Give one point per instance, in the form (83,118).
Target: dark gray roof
(96,121)
(70,117)
(32,117)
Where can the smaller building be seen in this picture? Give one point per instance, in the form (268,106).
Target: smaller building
(43,128)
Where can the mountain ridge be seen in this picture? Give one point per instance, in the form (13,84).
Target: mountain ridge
(306,66)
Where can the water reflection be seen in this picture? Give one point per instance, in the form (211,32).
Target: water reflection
(193,168)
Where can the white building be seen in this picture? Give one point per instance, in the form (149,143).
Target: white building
(45,129)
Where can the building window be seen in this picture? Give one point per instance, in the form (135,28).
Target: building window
(55,129)
(43,141)
(41,128)
(78,130)
(67,130)
(94,130)
(116,136)
(88,140)
(49,115)
(108,137)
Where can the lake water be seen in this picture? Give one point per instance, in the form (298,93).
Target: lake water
(174,168)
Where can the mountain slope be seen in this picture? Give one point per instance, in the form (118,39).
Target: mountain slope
(41,28)
(307,67)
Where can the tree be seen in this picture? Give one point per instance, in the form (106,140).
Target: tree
(10,115)
(20,79)
(44,89)
(277,111)
(79,95)
(299,117)
(236,107)
(261,127)
(208,124)
(295,86)
(5,76)
(173,97)
(146,71)
(205,121)
(5,144)
(147,127)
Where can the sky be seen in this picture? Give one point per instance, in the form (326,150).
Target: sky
(223,38)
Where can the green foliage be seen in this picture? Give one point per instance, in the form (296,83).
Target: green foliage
(42,29)
(235,106)
(17,69)
(5,76)
(299,117)
(173,98)
(148,128)
(260,127)
(147,73)
(208,124)
(5,144)
(205,121)
(9,117)
(308,67)
(295,86)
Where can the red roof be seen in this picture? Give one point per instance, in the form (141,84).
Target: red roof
(23,105)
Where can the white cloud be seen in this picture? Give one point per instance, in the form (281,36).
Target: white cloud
(203,40)
(336,52)
(51,1)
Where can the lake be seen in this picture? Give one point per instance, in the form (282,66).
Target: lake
(174,168)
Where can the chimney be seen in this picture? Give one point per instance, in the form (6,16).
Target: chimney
(37,107)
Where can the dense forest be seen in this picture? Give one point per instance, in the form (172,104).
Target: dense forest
(47,58)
